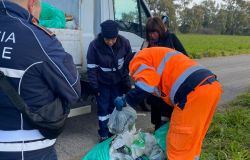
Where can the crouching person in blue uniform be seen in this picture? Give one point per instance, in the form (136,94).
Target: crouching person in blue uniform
(39,69)
(108,57)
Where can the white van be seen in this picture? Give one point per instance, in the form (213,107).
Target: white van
(131,16)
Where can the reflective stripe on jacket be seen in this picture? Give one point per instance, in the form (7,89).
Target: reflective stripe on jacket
(103,62)
(161,71)
(37,66)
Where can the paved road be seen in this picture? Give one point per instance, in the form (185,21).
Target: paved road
(80,132)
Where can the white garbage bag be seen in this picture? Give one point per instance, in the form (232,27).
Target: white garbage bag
(128,144)
(122,121)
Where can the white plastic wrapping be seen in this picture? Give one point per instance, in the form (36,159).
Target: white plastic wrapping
(129,144)
(122,121)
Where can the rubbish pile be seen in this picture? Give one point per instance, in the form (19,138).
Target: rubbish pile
(129,144)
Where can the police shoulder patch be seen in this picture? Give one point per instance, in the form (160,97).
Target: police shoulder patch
(35,22)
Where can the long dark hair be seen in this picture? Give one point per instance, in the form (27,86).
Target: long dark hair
(155,24)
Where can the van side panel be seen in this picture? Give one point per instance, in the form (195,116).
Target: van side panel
(70,40)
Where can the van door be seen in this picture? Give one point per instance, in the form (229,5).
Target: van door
(131,15)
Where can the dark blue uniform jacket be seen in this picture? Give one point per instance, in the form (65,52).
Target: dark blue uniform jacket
(35,63)
(108,65)
(171,41)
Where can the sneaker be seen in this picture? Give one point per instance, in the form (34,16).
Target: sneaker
(103,139)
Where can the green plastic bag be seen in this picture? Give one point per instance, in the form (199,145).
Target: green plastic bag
(101,150)
(160,135)
(51,17)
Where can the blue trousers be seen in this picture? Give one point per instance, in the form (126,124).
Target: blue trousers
(42,154)
(105,106)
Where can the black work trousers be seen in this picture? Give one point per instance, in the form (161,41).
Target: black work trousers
(159,109)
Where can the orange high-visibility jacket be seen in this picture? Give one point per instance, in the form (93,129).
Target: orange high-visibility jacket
(161,71)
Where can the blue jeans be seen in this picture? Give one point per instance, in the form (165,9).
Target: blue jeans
(42,154)
(105,106)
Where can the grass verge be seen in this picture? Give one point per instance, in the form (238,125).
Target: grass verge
(199,46)
(228,137)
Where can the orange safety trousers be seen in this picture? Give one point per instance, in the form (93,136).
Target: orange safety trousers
(189,126)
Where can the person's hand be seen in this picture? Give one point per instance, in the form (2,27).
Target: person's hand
(119,103)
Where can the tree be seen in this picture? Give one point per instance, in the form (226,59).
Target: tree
(197,17)
(237,16)
(183,13)
(210,11)
(164,7)
(193,19)
(232,17)
(220,21)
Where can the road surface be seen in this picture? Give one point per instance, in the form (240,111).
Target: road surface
(80,134)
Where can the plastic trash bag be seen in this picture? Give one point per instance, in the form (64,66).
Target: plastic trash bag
(126,138)
(138,145)
(122,121)
(135,146)
(157,154)
(99,151)
(51,17)
(161,134)
(102,150)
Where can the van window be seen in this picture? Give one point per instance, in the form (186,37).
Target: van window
(131,16)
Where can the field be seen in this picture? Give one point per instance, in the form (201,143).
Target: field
(199,46)
(228,137)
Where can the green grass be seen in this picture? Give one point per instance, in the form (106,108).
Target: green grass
(199,46)
(228,137)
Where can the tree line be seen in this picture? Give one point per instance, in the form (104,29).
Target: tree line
(230,17)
